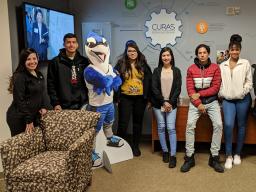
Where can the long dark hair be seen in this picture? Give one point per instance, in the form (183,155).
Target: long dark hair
(38,11)
(160,62)
(235,40)
(125,63)
(21,66)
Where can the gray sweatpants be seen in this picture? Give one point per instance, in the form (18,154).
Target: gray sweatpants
(213,110)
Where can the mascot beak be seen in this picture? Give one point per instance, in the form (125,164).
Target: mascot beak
(101,56)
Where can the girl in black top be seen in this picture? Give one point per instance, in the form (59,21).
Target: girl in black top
(134,93)
(166,88)
(29,98)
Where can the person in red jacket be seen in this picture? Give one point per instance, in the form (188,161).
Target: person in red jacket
(203,84)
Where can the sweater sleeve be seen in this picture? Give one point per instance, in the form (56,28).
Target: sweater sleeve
(156,92)
(117,93)
(191,87)
(44,103)
(19,96)
(215,85)
(52,83)
(177,91)
(248,79)
(149,91)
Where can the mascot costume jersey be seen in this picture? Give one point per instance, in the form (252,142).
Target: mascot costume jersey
(101,79)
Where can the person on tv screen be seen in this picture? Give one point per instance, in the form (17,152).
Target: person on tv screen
(40,35)
(65,80)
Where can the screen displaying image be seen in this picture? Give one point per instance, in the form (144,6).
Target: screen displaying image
(45,29)
(220,56)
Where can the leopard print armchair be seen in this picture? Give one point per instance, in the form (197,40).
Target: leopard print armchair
(56,157)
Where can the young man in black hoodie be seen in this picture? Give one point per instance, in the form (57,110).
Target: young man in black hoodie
(65,81)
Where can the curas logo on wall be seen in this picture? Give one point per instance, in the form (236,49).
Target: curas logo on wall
(163,28)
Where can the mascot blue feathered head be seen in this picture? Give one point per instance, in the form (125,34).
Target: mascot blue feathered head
(97,50)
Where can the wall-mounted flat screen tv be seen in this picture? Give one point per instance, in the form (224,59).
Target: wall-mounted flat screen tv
(45,29)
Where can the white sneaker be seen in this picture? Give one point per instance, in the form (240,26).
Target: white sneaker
(237,160)
(228,163)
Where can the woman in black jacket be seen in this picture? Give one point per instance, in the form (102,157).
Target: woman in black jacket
(134,92)
(166,88)
(29,99)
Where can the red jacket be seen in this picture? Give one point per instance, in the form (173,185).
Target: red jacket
(203,79)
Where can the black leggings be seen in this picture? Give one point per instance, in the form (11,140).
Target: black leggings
(16,122)
(17,125)
(135,106)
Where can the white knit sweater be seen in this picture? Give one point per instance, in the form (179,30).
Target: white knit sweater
(236,83)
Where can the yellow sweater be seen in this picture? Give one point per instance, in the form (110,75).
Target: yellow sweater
(133,84)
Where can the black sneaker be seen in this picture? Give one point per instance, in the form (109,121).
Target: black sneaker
(136,151)
(172,162)
(189,162)
(115,141)
(165,157)
(214,162)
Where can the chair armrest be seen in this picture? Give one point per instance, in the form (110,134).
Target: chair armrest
(79,160)
(20,148)
(82,146)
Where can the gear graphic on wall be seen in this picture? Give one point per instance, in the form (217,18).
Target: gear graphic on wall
(163,28)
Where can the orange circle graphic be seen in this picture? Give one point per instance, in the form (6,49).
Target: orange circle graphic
(202,27)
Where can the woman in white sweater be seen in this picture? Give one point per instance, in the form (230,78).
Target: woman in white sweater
(235,90)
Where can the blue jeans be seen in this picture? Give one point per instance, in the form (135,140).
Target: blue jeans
(235,109)
(107,114)
(166,120)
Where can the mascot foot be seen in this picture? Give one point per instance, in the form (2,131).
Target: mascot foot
(115,141)
(96,160)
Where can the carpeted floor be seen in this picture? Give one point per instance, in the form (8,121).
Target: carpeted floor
(148,173)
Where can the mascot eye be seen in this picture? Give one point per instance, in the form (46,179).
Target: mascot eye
(91,44)
(105,44)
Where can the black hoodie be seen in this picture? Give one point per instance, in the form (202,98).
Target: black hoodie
(65,81)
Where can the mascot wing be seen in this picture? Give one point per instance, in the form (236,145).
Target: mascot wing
(100,82)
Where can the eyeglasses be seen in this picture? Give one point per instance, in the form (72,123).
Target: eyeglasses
(131,51)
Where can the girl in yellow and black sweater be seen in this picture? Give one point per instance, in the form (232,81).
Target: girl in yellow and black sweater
(134,93)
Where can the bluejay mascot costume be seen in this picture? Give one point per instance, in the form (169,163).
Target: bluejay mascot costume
(101,79)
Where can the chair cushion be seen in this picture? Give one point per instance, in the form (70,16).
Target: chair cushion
(61,129)
(48,166)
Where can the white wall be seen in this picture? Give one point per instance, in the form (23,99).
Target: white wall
(5,71)
(130,24)
(221,26)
